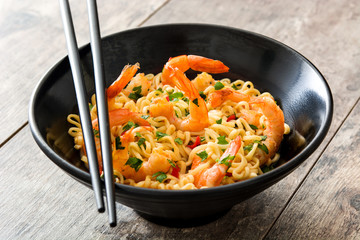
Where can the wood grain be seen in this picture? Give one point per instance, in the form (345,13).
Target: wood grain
(32,40)
(327,206)
(319,200)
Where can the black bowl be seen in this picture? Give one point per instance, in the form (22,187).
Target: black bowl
(295,83)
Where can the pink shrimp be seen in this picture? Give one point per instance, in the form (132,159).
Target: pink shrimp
(198,118)
(217,98)
(214,175)
(116,117)
(197,63)
(134,168)
(127,79)
(274,129)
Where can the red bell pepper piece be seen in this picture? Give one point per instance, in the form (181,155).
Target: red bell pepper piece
(196,143)
(231,117)
(167,98)
(175,172)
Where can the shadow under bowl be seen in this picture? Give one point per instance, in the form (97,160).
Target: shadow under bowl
(298,87)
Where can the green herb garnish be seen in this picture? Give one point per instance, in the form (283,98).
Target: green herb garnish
(96,133)
(218,86)
(196,102)
(222,140)
(136,94)
(160,135)
(175,96)
(178,141)
(202,95)
(203,155)
(172,163)
(145,116)
(227,160)
(234,86)
(134,163)
(219,121)
(118,144)
(160,176)
(141,142)
(253,127)
(129,125)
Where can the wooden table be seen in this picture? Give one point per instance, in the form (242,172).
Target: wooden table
(320,200)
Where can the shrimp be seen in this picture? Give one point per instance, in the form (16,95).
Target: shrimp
(216,98)
(135,168)
(274,129)
(198,118)
(127,75)
(259,106)
(116,117)
(213,176)
(197,63)
(202,81)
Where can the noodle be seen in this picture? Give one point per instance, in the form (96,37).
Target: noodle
(177,144)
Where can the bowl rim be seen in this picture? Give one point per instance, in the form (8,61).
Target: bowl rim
(270,176)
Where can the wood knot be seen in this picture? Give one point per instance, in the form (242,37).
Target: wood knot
(355,202)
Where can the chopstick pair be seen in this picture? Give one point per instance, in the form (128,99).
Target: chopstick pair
(102,109)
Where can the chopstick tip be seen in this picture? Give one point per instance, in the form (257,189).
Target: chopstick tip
(101,209)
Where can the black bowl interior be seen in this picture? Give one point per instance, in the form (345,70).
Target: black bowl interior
(296,84)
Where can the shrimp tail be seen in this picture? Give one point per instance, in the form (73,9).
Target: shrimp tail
(126,75)
(213,176)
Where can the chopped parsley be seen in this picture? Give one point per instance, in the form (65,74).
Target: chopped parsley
(260,145)
(118,144)
(219,121)
(234,86)
(172,163)
(264,148)
(175,96)
(202,139)
(248,147)
(136,94)
(160,176)
(202,95)
(96,133)
(266,168)
(218,86)
(253,127)
(203,155)
(196,102)
(221,140)
(160,90)
(185,99)
(145,116)
(179,141)
(160,135)
(227,160)
(141,142)
(129,125)
(135,163)
(90,106)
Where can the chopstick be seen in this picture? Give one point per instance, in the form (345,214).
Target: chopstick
(103,119)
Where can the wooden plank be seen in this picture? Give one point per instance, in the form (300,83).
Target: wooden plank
(32,40)
(327,206)
(310,28)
